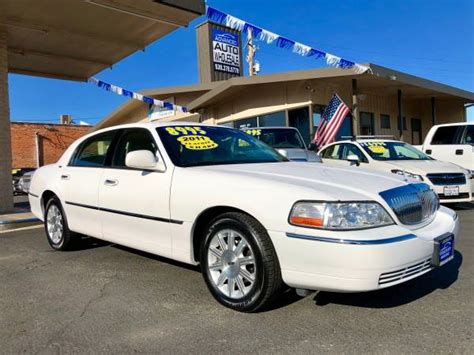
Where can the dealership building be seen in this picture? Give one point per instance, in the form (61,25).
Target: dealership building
(382,101)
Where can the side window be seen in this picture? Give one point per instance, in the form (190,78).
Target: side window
(93,151)
(351,149)
(468,137)
(332,152)
(130,141)
(445,135)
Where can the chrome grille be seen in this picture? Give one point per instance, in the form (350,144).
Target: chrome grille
(412,203)
(409,271)
(447,179)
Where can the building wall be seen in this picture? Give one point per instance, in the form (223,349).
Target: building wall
(255,100)
(263,99)
(54,139)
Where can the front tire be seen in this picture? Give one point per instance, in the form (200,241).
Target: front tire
(55,224)
(239,263)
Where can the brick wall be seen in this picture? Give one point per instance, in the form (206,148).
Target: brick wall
(54,140)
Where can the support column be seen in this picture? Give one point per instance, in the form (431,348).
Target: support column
(6,191)
(355,109)
(433,111)
(400,114)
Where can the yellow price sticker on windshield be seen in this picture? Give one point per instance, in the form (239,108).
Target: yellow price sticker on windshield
(197,142)
(184,130)
(254,132)
(377,149)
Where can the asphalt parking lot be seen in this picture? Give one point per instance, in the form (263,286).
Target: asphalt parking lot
(105,298)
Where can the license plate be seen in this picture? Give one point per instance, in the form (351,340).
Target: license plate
(443,249)
(451,190)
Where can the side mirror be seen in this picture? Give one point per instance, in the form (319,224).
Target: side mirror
(283,152)
(353,159)
(312,147)
(144,160)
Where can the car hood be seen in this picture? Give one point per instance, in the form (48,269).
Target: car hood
(296,154)
(423,167)
(306,181)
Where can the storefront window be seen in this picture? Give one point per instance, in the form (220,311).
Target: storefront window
(299,118)
(246,122)
(367,124)
(276,119)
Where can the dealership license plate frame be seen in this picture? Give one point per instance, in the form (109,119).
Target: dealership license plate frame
(443,249)
(451,191)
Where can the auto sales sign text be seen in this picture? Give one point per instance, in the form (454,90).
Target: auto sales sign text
(225,51)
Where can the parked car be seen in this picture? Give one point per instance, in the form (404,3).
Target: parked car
(452,142)
(286,140)
(253,220)
(25,181)
(451,182)
(17,182)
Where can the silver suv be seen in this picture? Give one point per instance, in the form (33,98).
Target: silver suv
(286,140)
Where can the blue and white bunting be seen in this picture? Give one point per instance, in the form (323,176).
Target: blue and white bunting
(269,37)
(134,95)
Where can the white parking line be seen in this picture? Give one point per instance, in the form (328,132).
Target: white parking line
(22,229)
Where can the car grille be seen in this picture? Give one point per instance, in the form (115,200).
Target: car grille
(461,195)
(447,179)
(412,203)
(409,271)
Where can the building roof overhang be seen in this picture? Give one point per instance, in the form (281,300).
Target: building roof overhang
(75,39)
(376,78)
(381,80)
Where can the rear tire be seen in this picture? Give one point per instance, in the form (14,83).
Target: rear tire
(239,263)
(55,224)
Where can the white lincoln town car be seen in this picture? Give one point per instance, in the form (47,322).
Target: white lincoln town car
(253,220)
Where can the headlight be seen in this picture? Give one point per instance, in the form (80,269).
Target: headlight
(408,175)
(339,215)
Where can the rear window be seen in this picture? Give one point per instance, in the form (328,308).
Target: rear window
(446,135)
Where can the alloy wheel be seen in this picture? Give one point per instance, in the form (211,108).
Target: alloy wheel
(231,263)
(54,224)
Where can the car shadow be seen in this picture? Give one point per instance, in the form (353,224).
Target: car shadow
(158,258)
(407,292)
(87,242)
(467,206)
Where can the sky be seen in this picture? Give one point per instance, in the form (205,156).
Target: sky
(433,39)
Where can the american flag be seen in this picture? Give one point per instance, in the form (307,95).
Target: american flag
(331,120)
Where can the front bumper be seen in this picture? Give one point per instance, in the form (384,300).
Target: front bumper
(351,267)
(465,194)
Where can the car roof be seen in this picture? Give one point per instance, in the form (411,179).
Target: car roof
(454,124)
(366,140)
(152,125)
(271,127)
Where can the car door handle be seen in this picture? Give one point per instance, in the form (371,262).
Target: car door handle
(111,182)
(459,152)
(65,177)
(428,151)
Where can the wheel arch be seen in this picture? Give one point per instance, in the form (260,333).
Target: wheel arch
(45,197)
(203,220)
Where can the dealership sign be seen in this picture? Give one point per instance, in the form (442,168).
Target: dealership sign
(225,51)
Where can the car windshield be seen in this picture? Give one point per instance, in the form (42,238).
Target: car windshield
(381,150)
(278,138)
(212,145)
